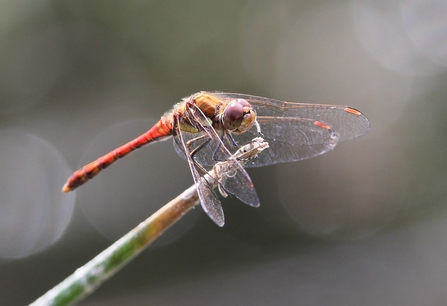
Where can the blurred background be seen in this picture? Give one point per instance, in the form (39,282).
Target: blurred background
(362,225)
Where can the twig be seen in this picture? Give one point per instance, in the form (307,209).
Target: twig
(90,276)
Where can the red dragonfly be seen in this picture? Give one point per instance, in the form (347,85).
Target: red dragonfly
(209,127)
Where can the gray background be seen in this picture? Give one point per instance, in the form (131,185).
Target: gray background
(361,225)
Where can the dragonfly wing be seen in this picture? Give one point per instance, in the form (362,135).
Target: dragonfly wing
(346,121)
(210,202)
(291,139)
(208,199)
(213,150)
(297,131)
(237,182)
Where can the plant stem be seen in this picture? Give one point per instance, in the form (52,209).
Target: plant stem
(87,278)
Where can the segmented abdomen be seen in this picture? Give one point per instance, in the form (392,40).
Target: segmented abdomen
(161,130)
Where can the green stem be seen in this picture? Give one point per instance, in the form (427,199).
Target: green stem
(87,278)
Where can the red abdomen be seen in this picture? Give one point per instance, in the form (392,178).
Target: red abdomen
(161,130)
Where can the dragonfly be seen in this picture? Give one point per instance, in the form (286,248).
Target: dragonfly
(210,127)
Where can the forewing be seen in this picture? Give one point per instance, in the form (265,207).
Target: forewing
(297,131)
(346,121)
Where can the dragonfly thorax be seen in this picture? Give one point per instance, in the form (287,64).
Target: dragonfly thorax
(238,116)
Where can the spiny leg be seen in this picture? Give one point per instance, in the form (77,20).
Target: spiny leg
(231,141)
(204,124)
(199,147)
(221,188)
(193,152)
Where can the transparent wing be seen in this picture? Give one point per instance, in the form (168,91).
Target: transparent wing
(346,121)
(291,139)
(237,182)
(297,131)
(208,199)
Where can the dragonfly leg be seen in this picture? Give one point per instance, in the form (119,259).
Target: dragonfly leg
(231,140)
(197,149)
(221,188)
(258,129)
(216,152)
(187,146)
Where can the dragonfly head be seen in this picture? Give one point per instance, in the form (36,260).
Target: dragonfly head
(238,116)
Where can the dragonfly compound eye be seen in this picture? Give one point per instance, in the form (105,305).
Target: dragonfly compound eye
(238,116)
(234,113)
